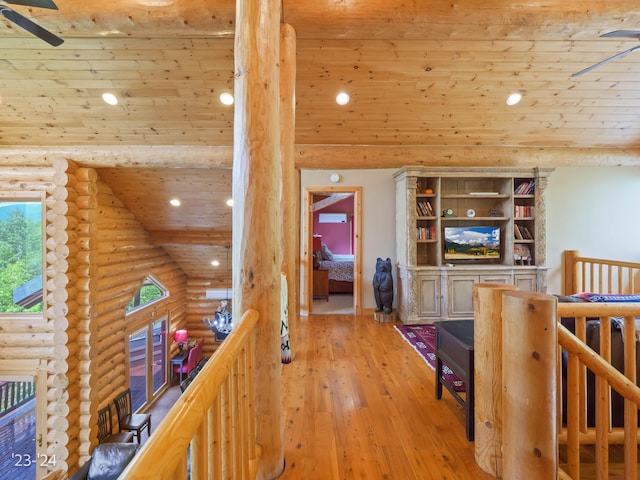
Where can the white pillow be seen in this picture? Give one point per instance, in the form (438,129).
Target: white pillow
(326,253)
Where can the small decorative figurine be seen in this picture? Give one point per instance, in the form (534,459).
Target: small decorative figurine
(383,286)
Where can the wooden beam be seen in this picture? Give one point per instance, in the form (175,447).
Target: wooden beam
(191,237)
(329,156)
(120,156)
(395,156)
(330,200)
(257,254)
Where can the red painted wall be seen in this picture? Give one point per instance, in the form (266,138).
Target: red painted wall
(337,236)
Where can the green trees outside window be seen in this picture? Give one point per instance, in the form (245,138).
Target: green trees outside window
(20,256)
(150,291)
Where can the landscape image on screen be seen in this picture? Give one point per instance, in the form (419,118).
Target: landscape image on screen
(471,243)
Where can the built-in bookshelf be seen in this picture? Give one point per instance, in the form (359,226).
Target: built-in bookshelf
(435,206)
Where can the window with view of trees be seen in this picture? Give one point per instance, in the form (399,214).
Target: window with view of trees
(20,256)
(150,291)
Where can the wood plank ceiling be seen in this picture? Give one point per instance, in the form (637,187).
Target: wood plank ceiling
(428,81)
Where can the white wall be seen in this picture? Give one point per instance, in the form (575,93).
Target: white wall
(591,209)
(378,219)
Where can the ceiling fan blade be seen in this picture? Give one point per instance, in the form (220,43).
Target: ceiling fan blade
(622,34)
(31,27)
(33,3)
(607,60)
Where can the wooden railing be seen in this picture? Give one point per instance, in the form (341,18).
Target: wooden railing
(583,274)
(15,394)
(580,358)
(210,431)
(525,423)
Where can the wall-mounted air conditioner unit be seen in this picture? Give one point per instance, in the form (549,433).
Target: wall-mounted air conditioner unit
(332,218)
(218,294)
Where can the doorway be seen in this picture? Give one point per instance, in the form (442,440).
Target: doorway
(341,294)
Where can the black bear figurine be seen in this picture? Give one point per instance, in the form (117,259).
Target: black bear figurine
(383,286)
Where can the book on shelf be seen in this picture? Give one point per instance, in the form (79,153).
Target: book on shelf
(525,188)
(521,232)
(517,232)
(523,211)
(426,233)
(424,209)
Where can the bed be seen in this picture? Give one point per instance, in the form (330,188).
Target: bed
(340,267)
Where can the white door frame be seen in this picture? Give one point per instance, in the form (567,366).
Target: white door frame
(307,245)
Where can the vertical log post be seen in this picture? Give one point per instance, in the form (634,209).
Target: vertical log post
(487,334)
(289,198)
(570,280)
(529,373)
(257,257)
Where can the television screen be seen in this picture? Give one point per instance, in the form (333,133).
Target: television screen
(471,243)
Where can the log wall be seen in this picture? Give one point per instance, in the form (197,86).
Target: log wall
(96,256)
(199,307)
(124,257)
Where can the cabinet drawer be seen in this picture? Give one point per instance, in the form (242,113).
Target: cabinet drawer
(498,278)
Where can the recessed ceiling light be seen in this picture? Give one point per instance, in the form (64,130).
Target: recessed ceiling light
(109,98)
(215,263)
(514,99)
(175,202)
(226,98)
(342,98)
(230,202)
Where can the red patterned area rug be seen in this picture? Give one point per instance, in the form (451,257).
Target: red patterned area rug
(423,340)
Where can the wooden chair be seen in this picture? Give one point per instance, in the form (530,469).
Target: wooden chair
(105,428)
(129,421)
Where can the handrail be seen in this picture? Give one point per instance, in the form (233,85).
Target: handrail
(580,357)
(585,274)
(528,427)
(214,416)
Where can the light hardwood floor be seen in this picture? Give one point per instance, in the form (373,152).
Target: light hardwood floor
(360,403)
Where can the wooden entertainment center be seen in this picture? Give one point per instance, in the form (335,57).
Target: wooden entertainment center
(505,207)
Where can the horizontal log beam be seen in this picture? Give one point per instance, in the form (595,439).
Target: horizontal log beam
(394,156)
(329,156)
(191,237)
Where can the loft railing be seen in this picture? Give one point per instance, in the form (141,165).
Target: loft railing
(210,431)
(580,358)
(15,394)
(583,274)
(523,408)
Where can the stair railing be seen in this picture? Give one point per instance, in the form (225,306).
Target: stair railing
(210,431)
(580,358)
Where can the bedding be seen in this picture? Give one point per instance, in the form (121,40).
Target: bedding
(340,268)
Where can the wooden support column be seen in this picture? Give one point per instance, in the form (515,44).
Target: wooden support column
(570,281)
(487,339)
(257,255)
(290,195)
(529,373)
